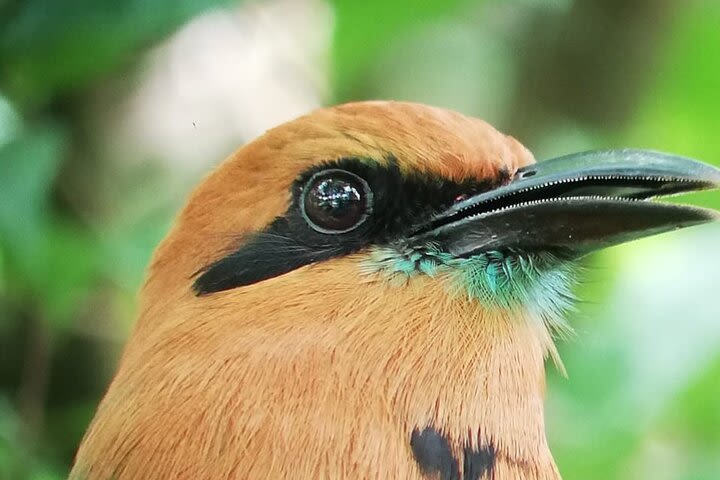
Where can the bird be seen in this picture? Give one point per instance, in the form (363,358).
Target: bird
(370,291)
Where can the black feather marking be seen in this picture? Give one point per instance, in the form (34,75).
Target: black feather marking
(479,463)
(400,202)
(433,454)
(264,255)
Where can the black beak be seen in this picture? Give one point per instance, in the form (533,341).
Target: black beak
(575,204)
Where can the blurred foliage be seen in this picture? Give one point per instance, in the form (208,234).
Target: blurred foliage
(642,399)
(50,47)
(364,29)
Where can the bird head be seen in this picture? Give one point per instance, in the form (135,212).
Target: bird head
(370,291)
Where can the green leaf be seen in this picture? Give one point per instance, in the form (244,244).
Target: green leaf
(679,111)
(11,449)
(134,243)
(28,166)
(51,46)
(10,123)
(696,413)
(364,28)
(18,460)
(65,271)
(46,257)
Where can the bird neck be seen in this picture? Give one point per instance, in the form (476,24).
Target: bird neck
(366,384)
(475,376)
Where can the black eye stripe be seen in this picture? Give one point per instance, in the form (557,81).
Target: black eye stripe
(398,202)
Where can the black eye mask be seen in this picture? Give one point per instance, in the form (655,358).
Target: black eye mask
(337,208)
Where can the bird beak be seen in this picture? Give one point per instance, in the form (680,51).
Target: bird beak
(575,204)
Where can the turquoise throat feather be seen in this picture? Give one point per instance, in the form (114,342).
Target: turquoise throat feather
(539,282)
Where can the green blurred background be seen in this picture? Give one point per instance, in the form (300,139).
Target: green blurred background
(111,110)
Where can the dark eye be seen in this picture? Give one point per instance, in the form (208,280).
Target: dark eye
(335,201)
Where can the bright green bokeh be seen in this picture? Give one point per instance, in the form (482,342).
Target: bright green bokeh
(643,395)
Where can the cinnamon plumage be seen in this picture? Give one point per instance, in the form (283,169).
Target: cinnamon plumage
(369,292)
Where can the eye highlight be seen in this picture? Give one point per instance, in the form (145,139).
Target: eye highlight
(335,201)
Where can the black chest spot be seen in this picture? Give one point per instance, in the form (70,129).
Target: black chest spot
(433,454)
(479,463)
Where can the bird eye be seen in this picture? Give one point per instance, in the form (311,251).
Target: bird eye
(335,201)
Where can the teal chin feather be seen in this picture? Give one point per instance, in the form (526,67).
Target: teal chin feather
(540,282)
